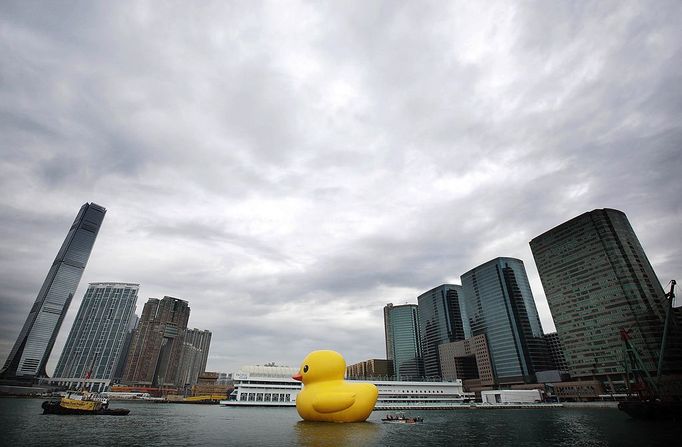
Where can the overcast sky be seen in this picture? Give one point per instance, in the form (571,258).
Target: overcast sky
(289,168)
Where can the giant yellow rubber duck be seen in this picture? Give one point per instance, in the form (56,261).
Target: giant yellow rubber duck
(326,396)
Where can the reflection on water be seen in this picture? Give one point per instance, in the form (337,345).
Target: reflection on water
(321,434)
(163,425)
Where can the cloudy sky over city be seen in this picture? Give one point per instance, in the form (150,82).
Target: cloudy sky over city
(289,168)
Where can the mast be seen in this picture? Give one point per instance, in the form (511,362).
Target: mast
(668,311)
(644,383)
(89,372)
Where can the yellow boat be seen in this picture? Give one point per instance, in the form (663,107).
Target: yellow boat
(82,402)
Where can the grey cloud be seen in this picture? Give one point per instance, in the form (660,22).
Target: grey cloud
(259,156)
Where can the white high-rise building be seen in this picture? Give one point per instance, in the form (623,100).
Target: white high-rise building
(98,336)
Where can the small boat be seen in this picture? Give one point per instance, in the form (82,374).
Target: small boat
(82,402)
(401,419)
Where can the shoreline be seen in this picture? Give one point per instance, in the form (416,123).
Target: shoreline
(479,406)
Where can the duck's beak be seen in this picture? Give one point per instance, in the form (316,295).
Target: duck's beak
(297,376)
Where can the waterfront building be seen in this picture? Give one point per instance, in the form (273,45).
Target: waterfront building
(499,304)
(97,337)
(421,395)
(440,321)
(403,346)
(272,386)
(370,368)
(467,360)
(194,356)
(33,346)
(582,390)
(156,346)
(598,280)
(511,396)
(209,384)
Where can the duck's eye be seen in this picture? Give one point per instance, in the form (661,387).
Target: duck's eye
(305,369)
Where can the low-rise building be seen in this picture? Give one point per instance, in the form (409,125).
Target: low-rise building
(370,368)
(208,385)
(467,359)
(268,386)
(579,390)
(511,396)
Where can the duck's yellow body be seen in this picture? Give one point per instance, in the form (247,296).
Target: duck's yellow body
(326,396)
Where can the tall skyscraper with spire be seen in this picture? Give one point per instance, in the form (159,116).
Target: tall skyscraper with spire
(32,349)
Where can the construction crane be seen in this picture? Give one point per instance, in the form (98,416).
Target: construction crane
(650,404)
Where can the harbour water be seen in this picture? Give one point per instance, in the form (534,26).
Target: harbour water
(22,424)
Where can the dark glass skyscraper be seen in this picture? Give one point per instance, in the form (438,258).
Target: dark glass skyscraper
(97,337)
(598,281)
(499,304)
(33,346)
(403,346)
(440,321)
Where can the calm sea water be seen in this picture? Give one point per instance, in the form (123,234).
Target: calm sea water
(22,424)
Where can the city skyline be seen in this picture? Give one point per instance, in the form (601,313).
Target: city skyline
(290,170)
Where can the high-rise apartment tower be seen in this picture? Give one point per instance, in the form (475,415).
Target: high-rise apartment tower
(194,356)
(96,341)
(156,347)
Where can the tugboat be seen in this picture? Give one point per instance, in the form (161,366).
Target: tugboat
(400,418)
(82,402)
(650,403)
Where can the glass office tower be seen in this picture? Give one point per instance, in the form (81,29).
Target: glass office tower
(97,337)
(598,280)
(440,321)
(403,346)
(33,346)
(499,304)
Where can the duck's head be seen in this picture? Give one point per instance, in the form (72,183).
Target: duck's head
(319,366)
